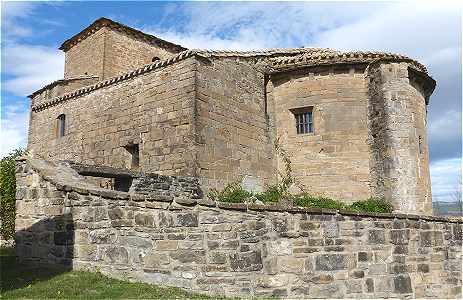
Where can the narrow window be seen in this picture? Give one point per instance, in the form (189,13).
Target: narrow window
(420,144)
(134,151)
(61,125)
(304,120)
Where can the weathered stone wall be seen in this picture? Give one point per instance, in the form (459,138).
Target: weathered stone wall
(154,110)
(61,87)
(235,140)
(398,139)
(87,58)
(334,159)
(218,117)
(124,53)
(236,249)
(107,53)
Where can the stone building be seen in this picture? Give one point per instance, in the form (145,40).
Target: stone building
(353,124)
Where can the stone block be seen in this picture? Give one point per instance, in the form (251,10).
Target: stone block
(196,245)
(332,290)
(116,213)
(189,256)
(166,245)
(217,257)
(402,284)
(331,262)
(187,220)
(354,286)
(145,220)
(102,236)
(400,237)
(247,261)
(376,237)
(156,260)
(383,284)
(118,255)
(290,264)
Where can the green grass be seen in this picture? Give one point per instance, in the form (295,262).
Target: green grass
(23,282)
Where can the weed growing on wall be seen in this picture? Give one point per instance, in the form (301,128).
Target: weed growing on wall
(234,193)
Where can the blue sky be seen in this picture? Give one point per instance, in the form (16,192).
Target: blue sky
(32,32)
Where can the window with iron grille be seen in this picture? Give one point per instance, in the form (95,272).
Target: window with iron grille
(304,121)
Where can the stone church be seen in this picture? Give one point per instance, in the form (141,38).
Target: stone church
(353,124)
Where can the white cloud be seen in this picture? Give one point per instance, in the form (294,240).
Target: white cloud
(245,25)
(11,12)
(446,179)
(13,129)
(30,67)
(443,128)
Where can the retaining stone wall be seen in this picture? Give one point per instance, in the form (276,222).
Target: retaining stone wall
(232,249)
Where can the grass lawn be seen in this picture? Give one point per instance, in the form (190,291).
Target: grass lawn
(18,281)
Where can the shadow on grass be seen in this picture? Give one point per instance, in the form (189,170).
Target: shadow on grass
(14,275)
(46,250)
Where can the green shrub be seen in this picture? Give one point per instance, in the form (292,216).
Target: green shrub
(372,205)
(8,193)
(233,193)
(272,193)
(306,200)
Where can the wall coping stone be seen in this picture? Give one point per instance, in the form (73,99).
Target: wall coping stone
(65,178)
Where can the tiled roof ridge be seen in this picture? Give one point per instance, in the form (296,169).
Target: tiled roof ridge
(102,22)
(277,63)
(342,57)
(264,52)
(112,80)
(53,83)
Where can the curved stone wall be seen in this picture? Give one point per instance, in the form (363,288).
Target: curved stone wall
(231,249)
(398,138)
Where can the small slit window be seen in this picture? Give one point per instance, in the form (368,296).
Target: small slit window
(134,152)
(304,120)
(61,125)
(420,144)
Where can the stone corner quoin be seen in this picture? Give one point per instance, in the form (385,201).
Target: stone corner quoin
(124,148)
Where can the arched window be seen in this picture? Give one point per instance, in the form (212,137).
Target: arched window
(155,59)
(61,125)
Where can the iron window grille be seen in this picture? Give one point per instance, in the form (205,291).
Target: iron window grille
(304,122)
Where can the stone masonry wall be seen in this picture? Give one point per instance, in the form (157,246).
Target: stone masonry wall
(108,53)
(154,110)
(334,159)
(124,53)
(398,139)
(235,142)
(232,249)
(62,87)
(87,58)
